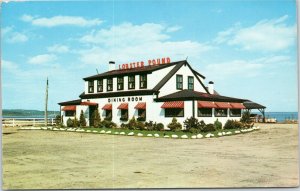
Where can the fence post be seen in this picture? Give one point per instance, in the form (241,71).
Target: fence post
(13,122)
(33,122)
(52,122)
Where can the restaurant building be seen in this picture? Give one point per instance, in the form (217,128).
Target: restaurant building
(154,92)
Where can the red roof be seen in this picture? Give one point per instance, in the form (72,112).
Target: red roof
(88,103)
(123,106)
(140,105)
(173,104)
(206,104)
(237,106)
(69,108)
(223,105)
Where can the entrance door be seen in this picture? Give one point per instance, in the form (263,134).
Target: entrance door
(92,110)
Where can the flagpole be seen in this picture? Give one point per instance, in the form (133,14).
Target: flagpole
(46,105)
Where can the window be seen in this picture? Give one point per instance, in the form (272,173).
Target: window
(204,112)
(120,83)
(179,82)
(174,112)
(143,81)
(108,115)
(91,86)
(109,84)
(70,113)
(221,112)
(100,85)
(235,112)
(131,82)
(191,83)
(141,115)
(124,114)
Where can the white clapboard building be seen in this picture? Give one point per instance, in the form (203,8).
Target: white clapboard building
(154,92)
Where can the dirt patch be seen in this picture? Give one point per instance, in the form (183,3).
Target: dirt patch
(66,160)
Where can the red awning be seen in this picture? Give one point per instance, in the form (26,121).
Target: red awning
(123,106)
(237,106)
(206,104)
(140,105)
(173,104)
(69,108)
(88,103)
(223,105)
(107,106)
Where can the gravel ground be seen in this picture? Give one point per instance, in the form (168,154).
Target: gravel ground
(35,159)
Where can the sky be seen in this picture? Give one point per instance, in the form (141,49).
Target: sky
(248,48)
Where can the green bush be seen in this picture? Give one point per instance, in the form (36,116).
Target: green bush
(232,124)
(194,130)
(246,117)
(132,123)
(107,124)
(70,123)
(149,125)
(191,122)
(82,121)
(159,127)
(208,128)
(58,120)
(96,118)
(218,125)
(140,125)
(174,125)
(75,122)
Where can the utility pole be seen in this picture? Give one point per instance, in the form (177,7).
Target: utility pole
(46,105)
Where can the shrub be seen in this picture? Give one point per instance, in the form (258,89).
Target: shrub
(75,122)
(191,122)
(132,122)
(194,130)
(82,121)
(58,120)
(124,126)
(174,125)
(209,127)
(159,127)
(245,117)
(96,118)
(70,123)
(232,124)
(140,125)
(149,125)
(218,125)
(107,124)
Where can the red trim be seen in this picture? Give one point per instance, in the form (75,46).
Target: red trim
(123,106)
(88,103)
(107,106)
(140,105)
(237,106)
(206,104)
(69,108)
(173,104)
(223,105)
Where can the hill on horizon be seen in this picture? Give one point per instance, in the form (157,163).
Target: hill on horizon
(27,113)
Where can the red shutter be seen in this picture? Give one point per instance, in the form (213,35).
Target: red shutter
(173,104)
(140,105)
(123,106)
(69,108)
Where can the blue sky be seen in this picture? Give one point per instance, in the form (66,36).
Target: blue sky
(248,48)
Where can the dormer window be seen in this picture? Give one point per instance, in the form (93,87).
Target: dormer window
(143,81)
(100,85)
(109,84)
(131,82)
(120,83)
(179,82)
(91,86)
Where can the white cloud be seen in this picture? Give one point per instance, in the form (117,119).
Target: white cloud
(173,28)
(8,65)
(61,21)
(127,42)
(5,30)
(57,48)
(17,37)
(266,35)
(42,59)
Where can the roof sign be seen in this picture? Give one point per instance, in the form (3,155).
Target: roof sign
(151,62)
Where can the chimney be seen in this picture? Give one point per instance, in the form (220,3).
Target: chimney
(211,87)
(111,65)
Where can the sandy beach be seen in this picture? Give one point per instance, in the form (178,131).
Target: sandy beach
(35,159)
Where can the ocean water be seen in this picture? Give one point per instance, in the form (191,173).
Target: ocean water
(280,116)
